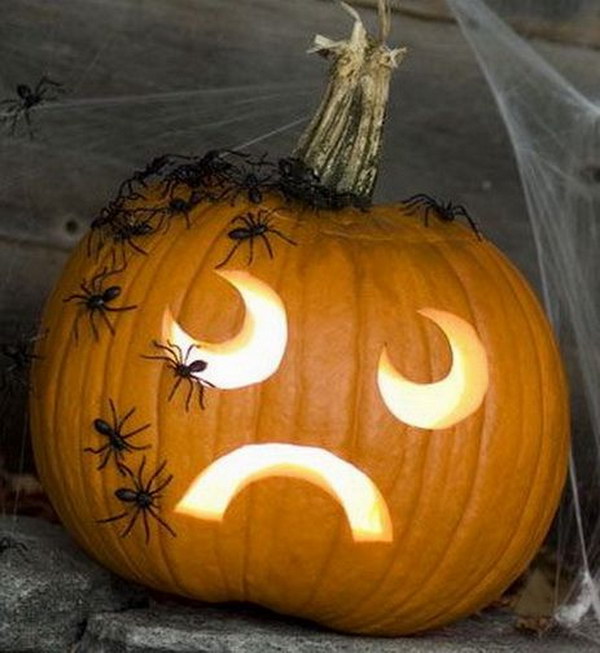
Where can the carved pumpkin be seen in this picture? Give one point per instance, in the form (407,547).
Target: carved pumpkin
(354,416)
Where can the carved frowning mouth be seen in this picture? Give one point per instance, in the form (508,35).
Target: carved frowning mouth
(213,490)
(255,353)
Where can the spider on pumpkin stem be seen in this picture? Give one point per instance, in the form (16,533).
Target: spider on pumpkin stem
(28,98)
(182,370)
(95,299)
(446,212)
(117,444)
(142,497)
(254,226)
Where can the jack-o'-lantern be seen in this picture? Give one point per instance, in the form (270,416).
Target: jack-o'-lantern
(256,387)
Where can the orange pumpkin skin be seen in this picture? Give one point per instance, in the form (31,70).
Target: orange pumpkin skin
(469,504)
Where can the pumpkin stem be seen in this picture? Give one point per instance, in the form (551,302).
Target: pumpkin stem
(342,142)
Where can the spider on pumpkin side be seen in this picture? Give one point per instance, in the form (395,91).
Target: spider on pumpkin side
(183,370)
(118,442)
(143,499)
(95,299)
(27,99)
(252,226)
(447,212)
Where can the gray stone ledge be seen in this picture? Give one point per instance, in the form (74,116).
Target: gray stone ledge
(54,599)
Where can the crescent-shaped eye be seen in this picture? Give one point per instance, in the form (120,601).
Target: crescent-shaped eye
(251,356)
(446,402)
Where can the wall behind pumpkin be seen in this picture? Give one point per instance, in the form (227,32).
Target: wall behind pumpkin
(189,75)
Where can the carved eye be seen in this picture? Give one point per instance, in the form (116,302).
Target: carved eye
(443,403)
(255,353)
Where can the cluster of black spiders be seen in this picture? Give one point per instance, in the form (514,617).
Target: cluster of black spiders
(139,496)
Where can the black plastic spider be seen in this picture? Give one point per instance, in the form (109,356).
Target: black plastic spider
(143,499)
(95,299)
(178,207)
(124,231)
(251,180)
(255,226)
(27,99)
(183,370)
(153,169)
(208,172)
(18,356)
(8,543)
(446,212)
(299,182)
(117,444)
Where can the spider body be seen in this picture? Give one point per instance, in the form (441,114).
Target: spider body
(447,212)
(95,300)
(28,98)
(141,499)
(253,226)
(178,207)
(117,444)
(8,543)
(18,356)
(125,232)
(183,370)
(140,177)
(299,182)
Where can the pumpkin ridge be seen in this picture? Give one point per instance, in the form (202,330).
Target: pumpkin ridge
(410,267)
(438,299)
(458,605)
(117,382)
(349,442)
(250,509)
(202,264)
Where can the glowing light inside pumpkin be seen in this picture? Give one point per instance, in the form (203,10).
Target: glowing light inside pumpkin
(448,401)
(213,490)
(255,353)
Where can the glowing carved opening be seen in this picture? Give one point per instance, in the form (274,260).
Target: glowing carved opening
(448,401)
(255,353)
(213,490)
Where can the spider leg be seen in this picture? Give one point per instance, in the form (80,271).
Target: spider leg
(105,460)
(138,430)
(132,521)
(189,394)
(146,527)
(174,389)
(164,484)
(137,248)
(267,244)
(158,358)
(201,396)
(76,296)
(106,446)
(15,120)
(95,283)
(119,424)
(28,122)
(106,321)
(250,251)
(287,240)
(228,257)
(113,518)
(154,475)
(161,521)
(177,348)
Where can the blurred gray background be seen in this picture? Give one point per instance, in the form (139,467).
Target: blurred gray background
(163,76)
